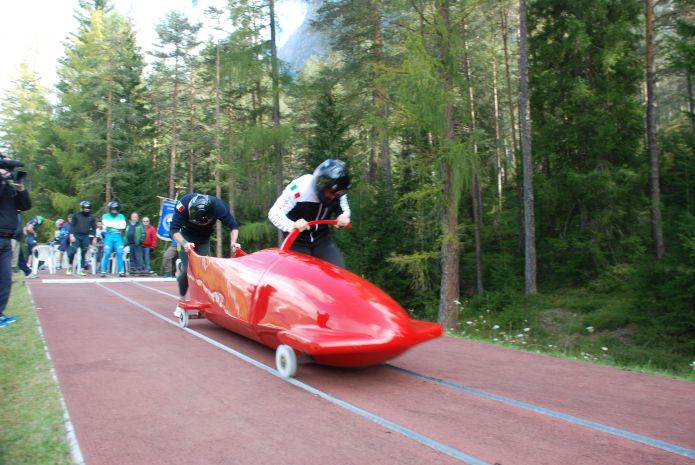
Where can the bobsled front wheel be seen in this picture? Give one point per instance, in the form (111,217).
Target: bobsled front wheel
(286,361)
(182,315)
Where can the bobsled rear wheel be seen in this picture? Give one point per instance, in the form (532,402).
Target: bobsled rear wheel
(182,315)
(286,361)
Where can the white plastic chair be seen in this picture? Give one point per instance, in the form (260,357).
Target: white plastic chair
(91,258)
(113,261)
(45,254)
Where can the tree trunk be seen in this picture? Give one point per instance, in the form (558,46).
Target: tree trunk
(654,190)
(174,132)
(499,165)
(527,158)
(277,162)
(108,194)
(508,73)
(475,185)
(379,98)
(691,105)
(449,304)
(218,151)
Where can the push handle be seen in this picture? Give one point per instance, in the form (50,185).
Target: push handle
(289,240)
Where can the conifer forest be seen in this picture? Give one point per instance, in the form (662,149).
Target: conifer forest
(523,171)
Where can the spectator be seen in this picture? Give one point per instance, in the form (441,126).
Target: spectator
(169,259)
(99,236)
(82,234)
(30,231)
(62,239)
(114,224)
(13,198)
(148,244)
(17,252)
(135,235)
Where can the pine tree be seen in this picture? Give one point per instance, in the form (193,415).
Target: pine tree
(329,137)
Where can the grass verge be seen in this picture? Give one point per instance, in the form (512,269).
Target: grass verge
(578,324)
(30,411)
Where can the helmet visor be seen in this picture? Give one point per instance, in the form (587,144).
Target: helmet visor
(201,219)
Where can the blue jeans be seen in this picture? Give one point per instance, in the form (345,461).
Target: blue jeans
(5,271)
(31,243)
(146,258)
(112,241)
(136,265)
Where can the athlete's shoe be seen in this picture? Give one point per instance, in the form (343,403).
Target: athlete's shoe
(83,273)
(178,313)
(6,320)
(68,271)
(103,275)
(122,275)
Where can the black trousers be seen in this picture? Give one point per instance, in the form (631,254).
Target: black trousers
(82,242)
(325,249)
(202,247)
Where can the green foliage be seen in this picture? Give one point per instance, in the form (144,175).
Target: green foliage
(329,132)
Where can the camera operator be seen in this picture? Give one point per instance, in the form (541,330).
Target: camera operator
(13,198)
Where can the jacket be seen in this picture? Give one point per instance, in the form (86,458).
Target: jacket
(11,201)
(150,241)
(135,233)
(83,224)
(299,200)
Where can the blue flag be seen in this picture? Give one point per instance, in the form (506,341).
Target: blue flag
(165,215)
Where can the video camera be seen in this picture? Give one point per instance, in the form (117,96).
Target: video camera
(10,165)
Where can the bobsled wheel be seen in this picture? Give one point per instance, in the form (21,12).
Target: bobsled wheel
(286,361)
(182,316)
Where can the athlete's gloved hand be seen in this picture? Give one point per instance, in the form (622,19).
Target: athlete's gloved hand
(188,246)
(343,220)
(301,224)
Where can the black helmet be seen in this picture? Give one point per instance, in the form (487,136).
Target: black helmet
(114,205)
(86,205)
(332,176)
(201,210)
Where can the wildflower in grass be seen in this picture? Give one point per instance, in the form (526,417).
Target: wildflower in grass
(604,349)
(590,329)
(469,322)
(496,327)
(692,364)
(526,330)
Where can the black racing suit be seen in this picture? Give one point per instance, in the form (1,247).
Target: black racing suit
(199,235)
(83,227)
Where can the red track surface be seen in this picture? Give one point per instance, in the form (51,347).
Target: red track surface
(143,392)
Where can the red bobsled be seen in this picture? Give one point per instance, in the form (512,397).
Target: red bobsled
(299,304)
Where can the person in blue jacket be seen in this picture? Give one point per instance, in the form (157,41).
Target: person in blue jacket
(192,225)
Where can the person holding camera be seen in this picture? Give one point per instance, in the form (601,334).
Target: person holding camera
(13,198)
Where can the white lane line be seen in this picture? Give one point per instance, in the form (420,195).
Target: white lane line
(104,280)
(73,443)
(422,439)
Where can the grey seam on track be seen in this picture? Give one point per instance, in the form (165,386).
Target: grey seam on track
(673,448)
(424,440)
(73,443)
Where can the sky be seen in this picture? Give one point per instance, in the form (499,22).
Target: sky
(34,30)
